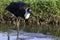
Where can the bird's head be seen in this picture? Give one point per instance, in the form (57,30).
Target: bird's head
(28,12)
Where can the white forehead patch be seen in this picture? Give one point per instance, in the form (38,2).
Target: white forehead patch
(30,10)
(27,14)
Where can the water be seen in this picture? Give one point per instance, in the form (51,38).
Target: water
(26,36)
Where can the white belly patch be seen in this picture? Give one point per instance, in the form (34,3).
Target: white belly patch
(27,15)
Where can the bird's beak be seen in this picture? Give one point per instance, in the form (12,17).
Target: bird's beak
(32,15)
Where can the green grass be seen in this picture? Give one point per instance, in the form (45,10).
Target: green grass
(47,10)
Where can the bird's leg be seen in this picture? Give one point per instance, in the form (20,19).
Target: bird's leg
(23,26)
(8,35)
(17,24)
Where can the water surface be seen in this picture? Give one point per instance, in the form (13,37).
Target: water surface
(26,36)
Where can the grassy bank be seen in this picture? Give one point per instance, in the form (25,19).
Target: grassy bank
(47,14)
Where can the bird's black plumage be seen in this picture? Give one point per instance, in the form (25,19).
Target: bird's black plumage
(18,8)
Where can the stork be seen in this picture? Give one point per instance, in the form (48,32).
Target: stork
(19,9)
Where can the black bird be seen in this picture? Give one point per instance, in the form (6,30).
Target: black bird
(19,9)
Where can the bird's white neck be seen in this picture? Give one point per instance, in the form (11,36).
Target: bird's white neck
(27,14)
